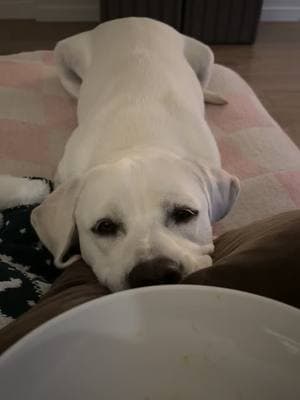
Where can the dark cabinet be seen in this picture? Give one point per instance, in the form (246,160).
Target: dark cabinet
(212,21)
(168,11)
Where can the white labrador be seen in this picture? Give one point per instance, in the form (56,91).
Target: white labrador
(140,182)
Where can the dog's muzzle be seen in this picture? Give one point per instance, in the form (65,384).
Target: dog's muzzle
(157,271)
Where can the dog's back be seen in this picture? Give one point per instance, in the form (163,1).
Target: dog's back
(141,60)
(138,91)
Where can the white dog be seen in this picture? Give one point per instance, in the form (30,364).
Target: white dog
(140,182)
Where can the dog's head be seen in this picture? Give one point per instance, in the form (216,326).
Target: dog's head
(138,221)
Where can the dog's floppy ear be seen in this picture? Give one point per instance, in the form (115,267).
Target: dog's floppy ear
(221,190)
(54,222)
(73,58)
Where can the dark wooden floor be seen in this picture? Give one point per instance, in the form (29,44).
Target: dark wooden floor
(270,66)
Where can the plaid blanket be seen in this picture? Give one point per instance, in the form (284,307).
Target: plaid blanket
(26,266)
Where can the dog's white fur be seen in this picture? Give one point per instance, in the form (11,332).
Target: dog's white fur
(141,148)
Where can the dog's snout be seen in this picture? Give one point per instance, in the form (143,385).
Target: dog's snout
(157,271)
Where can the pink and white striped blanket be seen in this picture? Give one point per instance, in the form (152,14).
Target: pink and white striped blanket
(37,117)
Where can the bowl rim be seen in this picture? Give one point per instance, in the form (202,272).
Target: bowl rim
(133,292)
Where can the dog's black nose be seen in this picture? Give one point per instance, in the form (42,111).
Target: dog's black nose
(158,271)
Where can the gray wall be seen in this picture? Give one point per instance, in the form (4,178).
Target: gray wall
(281,10)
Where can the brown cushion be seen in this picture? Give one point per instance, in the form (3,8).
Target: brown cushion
(261,258)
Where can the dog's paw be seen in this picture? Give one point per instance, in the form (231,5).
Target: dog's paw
(207,249)
(204,262)
(193,264)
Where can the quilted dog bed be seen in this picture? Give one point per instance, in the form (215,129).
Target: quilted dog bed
(37,117)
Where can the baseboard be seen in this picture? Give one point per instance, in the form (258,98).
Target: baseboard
(280,13)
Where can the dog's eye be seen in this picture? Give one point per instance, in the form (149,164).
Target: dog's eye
(181,215)
(106,227)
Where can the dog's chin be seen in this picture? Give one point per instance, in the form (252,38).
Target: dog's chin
(118,287)
(115,287)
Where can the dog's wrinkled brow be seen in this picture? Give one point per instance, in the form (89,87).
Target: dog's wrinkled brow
(179,203)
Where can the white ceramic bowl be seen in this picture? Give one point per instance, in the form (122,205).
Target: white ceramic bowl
(160,343)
